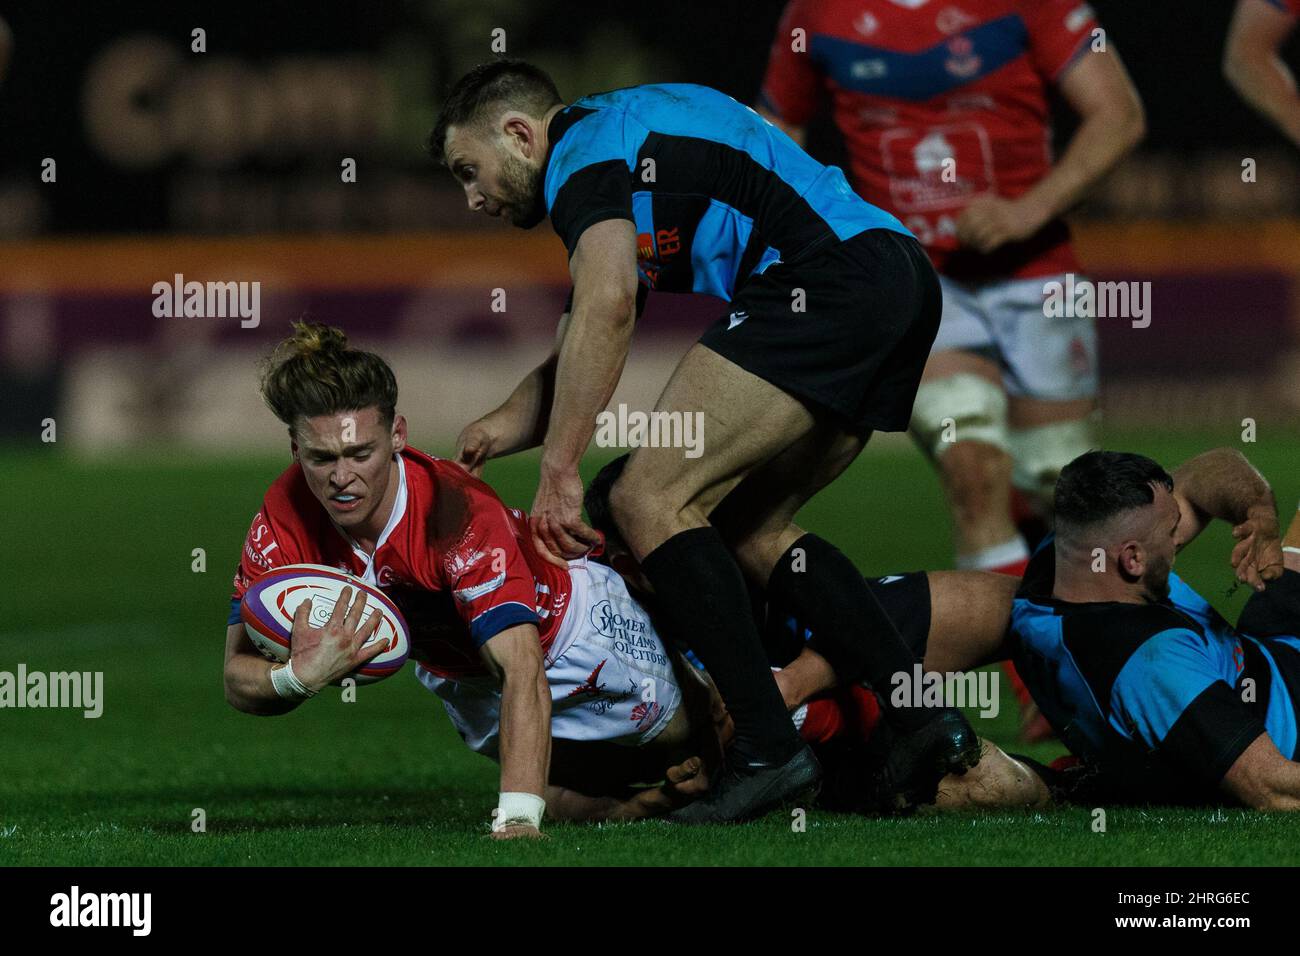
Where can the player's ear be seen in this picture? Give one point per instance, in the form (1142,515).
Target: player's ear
(293,446)
(519,130)
(399,433)
(1131,559)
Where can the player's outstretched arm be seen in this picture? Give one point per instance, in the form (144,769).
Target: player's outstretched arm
(520,423)
(1112,122)
(1252,66)
(1222,484)
(591,360)
(514,656)
(1264,779)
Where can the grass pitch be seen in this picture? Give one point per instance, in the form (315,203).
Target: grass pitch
(100,579)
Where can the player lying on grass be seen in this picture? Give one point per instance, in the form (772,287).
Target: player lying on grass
(484,611)
(1136,672)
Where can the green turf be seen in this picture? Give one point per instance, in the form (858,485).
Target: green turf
(99,579)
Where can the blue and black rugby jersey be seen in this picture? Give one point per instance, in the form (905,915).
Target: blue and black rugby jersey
(716,192)
(1158,694)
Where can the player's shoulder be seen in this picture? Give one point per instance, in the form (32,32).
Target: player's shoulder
(451,497)
(288,501)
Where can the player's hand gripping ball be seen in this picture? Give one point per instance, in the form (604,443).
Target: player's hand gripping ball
(268,607)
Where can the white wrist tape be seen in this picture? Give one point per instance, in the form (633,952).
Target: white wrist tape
(287,684)
(518,809)
(1291,549)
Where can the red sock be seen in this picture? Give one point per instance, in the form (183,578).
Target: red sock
(852,710)
(823,720)
(863,709)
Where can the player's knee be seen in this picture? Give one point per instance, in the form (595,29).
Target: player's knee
(638,511)
(1041,452)
(959,409)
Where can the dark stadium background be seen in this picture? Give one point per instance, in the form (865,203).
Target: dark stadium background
(225,166)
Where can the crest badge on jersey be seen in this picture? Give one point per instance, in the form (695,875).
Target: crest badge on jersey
(962,61)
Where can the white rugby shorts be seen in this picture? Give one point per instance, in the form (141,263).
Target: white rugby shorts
(1049,358)
(611,676)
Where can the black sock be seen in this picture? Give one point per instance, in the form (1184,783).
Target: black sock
(826,592)
(705,605)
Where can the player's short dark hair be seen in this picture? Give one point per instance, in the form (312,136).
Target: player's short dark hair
(596,501)
(1098,485)
(315,372)
(505,84)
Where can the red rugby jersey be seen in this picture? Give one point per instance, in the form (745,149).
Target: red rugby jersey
(915,82)
(458,563)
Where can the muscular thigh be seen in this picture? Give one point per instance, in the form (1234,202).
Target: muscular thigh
(744,421)
(969,615)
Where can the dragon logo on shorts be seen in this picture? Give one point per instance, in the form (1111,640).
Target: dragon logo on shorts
(591,685)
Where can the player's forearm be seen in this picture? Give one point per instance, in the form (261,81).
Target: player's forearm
(1264,81)
(565,804)
(1223,484)
(1103,139)
(590,363)
(249,689)
(525,726)
(524,415)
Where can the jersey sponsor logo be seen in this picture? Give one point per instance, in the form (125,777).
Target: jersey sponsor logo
(866,24)
(475,591)
(631,635)
(644,712)
(891,578)
(387,577)
(462,560)
(937,167)
(654,251)
(735,319)
(592,684)
(868,69)
(953,20)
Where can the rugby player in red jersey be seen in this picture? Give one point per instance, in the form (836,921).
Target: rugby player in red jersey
(1252,64)
(943,105)
(518,648)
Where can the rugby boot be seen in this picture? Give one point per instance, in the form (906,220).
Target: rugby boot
(746,792)
(919,759)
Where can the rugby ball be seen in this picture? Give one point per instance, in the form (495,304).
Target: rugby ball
(270,602)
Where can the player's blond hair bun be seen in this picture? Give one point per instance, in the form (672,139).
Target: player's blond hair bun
(315,372)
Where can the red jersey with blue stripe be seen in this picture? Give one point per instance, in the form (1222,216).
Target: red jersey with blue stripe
(459,564)
(1286,6)
(917,84)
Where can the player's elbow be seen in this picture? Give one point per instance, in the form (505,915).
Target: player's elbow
(1132,121)
(1233,66)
